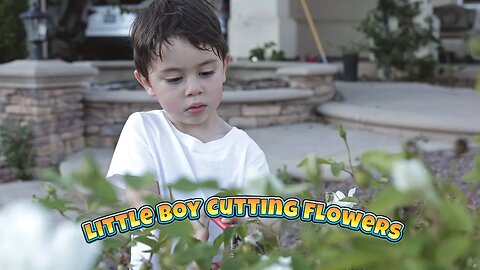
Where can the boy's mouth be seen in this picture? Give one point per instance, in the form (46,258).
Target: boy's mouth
(196,108)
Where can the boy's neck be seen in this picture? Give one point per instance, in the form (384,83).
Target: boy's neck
(215,129)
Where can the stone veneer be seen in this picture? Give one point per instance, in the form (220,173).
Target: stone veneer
(106,112)
(47,94)
(318,78)
(51,94)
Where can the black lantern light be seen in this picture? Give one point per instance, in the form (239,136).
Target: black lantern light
(36,23)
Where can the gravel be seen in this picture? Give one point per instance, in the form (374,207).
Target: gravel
(439,162)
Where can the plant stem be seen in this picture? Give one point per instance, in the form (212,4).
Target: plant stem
(349,160)
(349,172)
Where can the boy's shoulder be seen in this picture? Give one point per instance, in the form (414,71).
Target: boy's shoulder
(146,116)
(146,121)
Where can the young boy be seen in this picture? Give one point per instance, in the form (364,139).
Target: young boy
(181,60)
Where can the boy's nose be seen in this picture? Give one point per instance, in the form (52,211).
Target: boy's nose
(193,88)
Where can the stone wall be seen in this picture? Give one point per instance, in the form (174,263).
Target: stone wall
(57,118)
(66,116)
(319,78)
(106,112)
(48,95)
(266,114)
(104,120)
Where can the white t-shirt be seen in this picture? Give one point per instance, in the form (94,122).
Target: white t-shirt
(149,142)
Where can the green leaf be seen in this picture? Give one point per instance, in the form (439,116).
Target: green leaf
(112,243)
(54,203)
(380,161)
(452,249)
(388,199)
(328,161)
(227,236)
(153,244)
(142,182)
(198,251)
(474,175)
(350,199)
(312,169)
(182,229)
(228,192)
(188,186)
(50,188)
(232,264)
(105,192)
(336,168)
(300,262)
(457,217)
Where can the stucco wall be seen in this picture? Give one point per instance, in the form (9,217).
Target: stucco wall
(253,22)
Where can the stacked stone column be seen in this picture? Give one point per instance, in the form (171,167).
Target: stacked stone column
(319,78)
(47,94)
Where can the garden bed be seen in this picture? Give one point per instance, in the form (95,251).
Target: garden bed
(439,161)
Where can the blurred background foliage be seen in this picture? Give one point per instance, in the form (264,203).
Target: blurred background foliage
(12,34)
(442,230)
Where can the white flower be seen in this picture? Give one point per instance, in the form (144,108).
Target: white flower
(409,175)
(283,263)
(253,238)
(29,241)
(338,196)
(392,23)
(258,184)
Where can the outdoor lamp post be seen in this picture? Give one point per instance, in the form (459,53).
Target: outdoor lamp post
(35,22)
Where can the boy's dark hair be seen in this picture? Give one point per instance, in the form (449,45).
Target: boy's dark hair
(193,20)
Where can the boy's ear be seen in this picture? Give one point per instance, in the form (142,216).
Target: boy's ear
(226,63)
(144,82)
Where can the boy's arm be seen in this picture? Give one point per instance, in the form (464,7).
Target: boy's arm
(258,169)
(135,198)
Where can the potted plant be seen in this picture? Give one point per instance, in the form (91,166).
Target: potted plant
(350,56)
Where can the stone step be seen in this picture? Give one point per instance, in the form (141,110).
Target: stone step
(406,108)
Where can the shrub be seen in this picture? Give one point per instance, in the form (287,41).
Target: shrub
(266,52)
(396,37)
(16,151)
(12,32)
(441,230)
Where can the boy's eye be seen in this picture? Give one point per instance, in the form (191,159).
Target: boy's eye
(207,73)
(173,80)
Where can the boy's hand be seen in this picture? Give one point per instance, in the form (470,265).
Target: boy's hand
(200,228)
(232,220)
(266,225)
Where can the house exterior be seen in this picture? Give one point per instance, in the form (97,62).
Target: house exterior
(253,23)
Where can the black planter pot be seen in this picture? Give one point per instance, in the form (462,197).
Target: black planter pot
(350,67)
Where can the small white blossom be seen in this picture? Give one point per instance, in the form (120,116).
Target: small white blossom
(283,263)
(409,175)
(253,238)
(338,196)
(29,241)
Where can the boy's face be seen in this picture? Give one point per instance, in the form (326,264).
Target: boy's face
(188,83)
